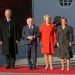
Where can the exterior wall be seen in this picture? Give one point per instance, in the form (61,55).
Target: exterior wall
(53,8)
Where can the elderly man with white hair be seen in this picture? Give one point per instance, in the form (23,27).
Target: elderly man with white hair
(30,34)
(9,38)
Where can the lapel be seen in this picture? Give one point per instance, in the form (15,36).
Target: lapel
(27,28)
(6,25)
(34,28)
(65,29)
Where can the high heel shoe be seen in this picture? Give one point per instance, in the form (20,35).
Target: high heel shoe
(62,69)
(68,69)
(46,67)
(51,68)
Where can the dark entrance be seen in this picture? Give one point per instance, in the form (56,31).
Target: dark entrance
(21,10)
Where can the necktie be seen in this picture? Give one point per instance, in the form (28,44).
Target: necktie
(9,27)
(31,30)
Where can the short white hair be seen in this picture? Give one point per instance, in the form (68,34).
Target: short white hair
(8,10)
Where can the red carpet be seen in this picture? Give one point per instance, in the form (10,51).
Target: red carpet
(39,69)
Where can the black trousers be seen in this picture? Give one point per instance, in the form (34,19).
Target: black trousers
(31,54)
(11,57)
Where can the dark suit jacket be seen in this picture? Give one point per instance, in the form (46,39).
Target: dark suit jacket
(26,33)
(8,47)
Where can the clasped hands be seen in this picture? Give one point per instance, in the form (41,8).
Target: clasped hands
(31,37)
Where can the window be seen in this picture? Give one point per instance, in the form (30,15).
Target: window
(64,3)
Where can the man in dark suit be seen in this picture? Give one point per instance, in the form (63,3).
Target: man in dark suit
(9,38)
(30,33)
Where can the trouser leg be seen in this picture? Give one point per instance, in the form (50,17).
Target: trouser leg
(7,60)
(27,47)
(34,54)
(12,60)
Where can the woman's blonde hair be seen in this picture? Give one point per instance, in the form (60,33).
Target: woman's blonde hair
(46,16)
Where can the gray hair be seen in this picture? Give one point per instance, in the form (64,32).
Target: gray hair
(8,10)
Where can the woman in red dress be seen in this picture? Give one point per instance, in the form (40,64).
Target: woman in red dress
(47,40)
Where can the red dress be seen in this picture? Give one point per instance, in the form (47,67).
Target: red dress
(47,38)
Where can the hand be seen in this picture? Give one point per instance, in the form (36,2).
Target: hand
(58,45)
(34,37)
(17,41)
(30,37)
(1,42)
(70,44)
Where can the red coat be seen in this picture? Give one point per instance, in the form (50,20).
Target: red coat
(47,38)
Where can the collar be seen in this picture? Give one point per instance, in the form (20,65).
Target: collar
(30,26)
(8,20)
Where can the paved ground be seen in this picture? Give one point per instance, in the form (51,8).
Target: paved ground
(21,59)
(32,74)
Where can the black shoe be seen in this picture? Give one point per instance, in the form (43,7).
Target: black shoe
(34,66)
(8,67)
(12,67)
(30,67)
